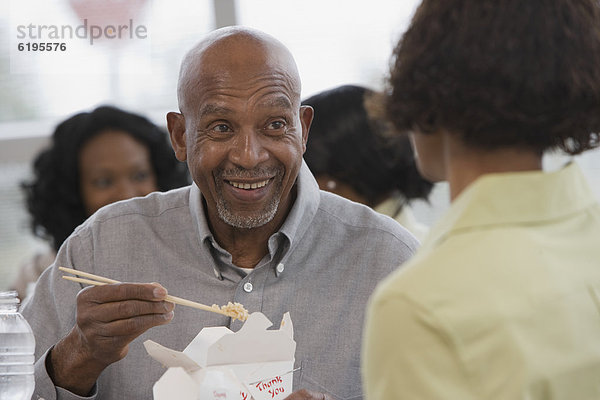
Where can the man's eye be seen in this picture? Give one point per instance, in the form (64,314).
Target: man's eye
(276,125)
(221,128)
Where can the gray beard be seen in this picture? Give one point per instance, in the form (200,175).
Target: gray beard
(237,221)
(227,214)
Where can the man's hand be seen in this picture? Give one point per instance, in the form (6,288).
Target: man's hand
(109,317)
(308,395)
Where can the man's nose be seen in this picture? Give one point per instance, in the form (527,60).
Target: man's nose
(248,149)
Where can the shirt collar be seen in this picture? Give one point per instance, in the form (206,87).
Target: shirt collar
(198,215)
(514,198)
(305,206)
(296,224)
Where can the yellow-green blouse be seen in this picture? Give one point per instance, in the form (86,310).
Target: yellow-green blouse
(501,302)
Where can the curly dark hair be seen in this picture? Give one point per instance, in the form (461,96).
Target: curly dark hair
(347,143)
(53,196)
(507,73)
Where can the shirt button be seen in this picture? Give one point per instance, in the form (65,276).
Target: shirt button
(280,267)
(248,287)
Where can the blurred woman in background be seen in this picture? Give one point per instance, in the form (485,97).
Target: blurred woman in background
(352,154)
(94,159)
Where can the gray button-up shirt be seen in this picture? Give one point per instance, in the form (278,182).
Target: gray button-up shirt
(322,266)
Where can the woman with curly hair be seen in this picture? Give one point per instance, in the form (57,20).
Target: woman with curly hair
(94,159)
(351,153)
(502,300)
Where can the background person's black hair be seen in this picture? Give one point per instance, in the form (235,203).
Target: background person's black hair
(53,196)
(354,147)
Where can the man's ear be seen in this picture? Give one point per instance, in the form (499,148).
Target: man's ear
(176,126)
(306,117)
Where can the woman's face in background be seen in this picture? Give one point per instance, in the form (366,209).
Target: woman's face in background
(429,150)
(114,166)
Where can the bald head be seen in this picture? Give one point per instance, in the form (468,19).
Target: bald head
(230,53)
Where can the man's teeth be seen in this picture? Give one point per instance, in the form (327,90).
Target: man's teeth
(255,185)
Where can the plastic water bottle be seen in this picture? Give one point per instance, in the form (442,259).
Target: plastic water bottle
(17,346)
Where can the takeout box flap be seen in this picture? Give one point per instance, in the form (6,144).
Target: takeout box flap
(198,349)
(253,343)
(287,326)
(170,358)
(218,345)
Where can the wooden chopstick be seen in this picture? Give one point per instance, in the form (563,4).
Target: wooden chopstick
(87,275)
(83,280)
(100,280)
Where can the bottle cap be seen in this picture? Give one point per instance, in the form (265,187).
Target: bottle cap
(9,297)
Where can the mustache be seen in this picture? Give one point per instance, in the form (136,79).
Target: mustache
(238,172)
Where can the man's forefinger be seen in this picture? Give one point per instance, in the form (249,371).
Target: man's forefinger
(123,291)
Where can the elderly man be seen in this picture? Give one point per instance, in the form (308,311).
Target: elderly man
(253,228)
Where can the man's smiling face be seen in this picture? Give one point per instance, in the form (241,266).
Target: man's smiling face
(245,132)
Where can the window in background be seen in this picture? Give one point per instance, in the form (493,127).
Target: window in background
(333,42)
(140,77)
(136,74)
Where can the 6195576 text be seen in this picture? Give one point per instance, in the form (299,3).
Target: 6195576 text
(44,46)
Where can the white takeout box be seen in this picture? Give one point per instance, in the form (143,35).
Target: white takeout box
(261,359)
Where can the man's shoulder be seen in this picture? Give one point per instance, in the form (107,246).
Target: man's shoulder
(151,205)
(338,210)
